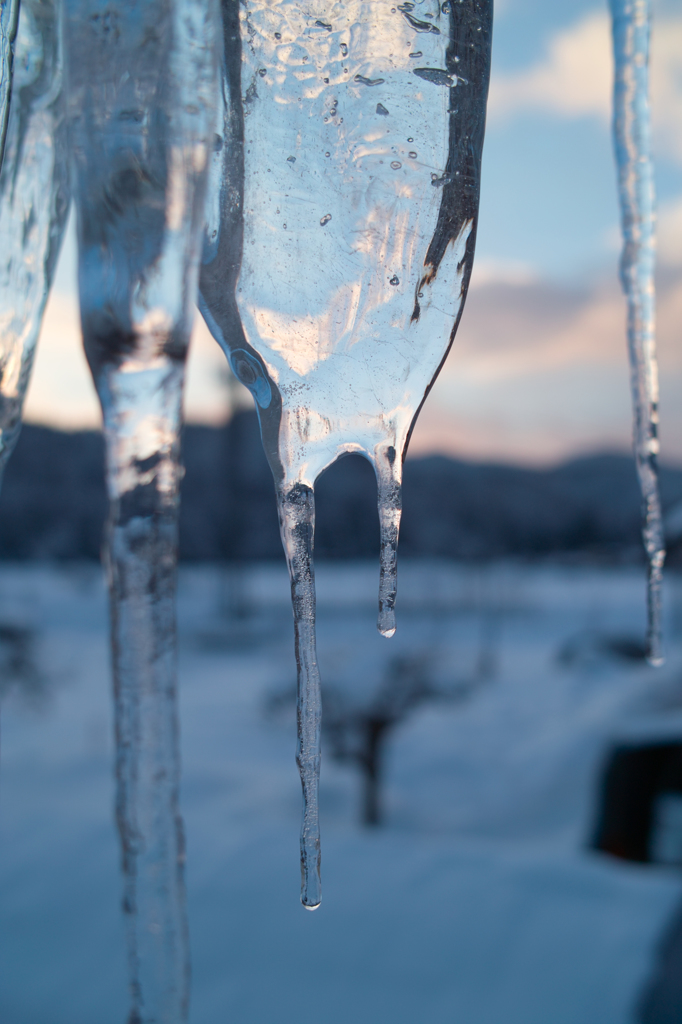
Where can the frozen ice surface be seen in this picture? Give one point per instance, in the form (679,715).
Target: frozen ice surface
(9,16)
(341,226)
(142,82)
(632,139)
(34,202)
(479,876)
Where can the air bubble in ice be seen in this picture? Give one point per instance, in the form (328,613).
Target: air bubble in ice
(325,220)
(368,81)
(417,53)
(394,280)
(344,50)
(435,75)
(412,155)
(381,109)
(417,25)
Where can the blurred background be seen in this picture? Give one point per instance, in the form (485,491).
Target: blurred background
(502,782)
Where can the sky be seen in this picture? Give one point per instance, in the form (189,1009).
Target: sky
(538,372)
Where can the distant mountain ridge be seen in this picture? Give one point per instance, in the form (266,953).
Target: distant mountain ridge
(53,502)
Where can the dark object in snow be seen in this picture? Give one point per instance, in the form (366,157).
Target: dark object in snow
(640,804)
(53,503)
(356,732)
(18,667)
(591,648)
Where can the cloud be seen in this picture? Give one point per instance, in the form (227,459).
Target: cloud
(539,372)
(575,79)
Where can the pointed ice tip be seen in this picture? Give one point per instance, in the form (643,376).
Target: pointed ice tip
(655,660)
(310,906)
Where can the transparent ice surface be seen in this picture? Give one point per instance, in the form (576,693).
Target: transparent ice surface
(34,202)
(9,17)
(340,239)
(142,90)
(632,139)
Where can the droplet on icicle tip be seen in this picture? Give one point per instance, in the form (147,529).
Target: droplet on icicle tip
(311,906)
(386,622)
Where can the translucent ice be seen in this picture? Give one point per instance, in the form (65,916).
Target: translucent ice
(334,272)
(142,85)
(9,17)
(631,128)
(34,201)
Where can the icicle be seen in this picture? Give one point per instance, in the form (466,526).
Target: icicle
(297,525)
(9,19)
(631,128)
(34,201)
(338,250)
(389,482)
(142,85)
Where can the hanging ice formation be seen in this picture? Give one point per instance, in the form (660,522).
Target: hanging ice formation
(9,17)
(631,129)
(340,239)
(142,83)
(34,202)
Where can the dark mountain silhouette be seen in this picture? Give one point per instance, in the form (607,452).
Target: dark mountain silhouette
(53,502)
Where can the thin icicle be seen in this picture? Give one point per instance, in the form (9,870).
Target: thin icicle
(389,501)
(142,85)
(632,138)
(297,526)
(9,20)
(336,260)
(34,201)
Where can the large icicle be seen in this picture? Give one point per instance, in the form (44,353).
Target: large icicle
(34,201)
(9,19)
(142,86)
(341,225)
(632,138)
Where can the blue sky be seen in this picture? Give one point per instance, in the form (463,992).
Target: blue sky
(538,371)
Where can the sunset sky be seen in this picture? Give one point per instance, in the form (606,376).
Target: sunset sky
(538,371)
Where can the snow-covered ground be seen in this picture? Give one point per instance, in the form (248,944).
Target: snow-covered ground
(476,903)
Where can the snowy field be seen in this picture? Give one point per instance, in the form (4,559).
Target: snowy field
(477,901)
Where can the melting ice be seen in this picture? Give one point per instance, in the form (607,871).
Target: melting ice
(632,138)
(334,272)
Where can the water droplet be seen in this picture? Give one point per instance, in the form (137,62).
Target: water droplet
(420,295)
(361,80)
(326,81)
(394,280)
(278,35)
(291,159)
(327,154)
(344,50)
(325,220)
(412,155)
(445,8)
(284,226)
(262,72)
(410,139)
(396,165)
(417,53)
(381,109)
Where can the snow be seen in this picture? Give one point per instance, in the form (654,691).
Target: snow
(477,902)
